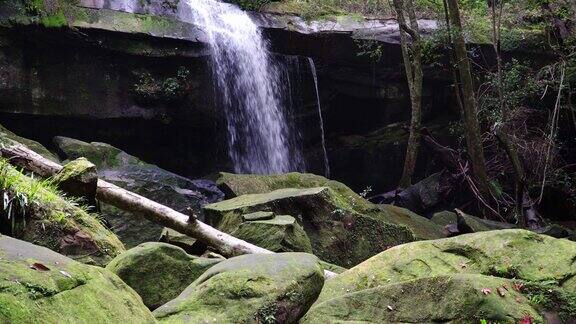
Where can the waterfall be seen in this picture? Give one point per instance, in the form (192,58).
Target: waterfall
(248,86)
(326,163)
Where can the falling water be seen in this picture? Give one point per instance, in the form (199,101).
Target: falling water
(326,163)
(248,86)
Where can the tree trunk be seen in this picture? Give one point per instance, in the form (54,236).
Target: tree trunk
(414,76)
(497,9)
(225,244)
(452,60)
(471,124)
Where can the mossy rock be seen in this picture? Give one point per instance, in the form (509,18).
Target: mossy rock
(8,138)
(279,234)
(55,222)
(234,185)
(78,178)
(41,286)
(258,288)
(338,234)
(472,223)
(458,298)
(510,253)
(422,227)
(159,272)
(103,155)
(130,173)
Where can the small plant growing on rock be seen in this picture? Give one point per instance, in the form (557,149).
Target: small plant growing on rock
(151,90)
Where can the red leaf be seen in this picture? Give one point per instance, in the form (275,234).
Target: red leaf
(39,267)
(486,291)
(518,287)
(526,320)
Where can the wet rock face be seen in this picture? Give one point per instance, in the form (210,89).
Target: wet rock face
(112,87)
(89,79)
(258,288)
(43,286)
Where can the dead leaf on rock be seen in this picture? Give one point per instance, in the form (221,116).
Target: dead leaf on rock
(501,291)
(518,287)
(39,267)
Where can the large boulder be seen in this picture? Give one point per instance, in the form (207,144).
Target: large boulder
(338,234)
(41,286)
(259,288)
(7,137)
(78,178)
(159,272)
(279,233)
(184,195)
(467,223)
(234,185)
(529,258)
(38,213)
(459,298)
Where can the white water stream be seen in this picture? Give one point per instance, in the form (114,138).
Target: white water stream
(248,85)
(315,76)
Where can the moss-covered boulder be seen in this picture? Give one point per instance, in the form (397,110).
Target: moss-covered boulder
(78,178)
(234,185)
(36,212)
(8,138)
(338,234)
(159,272)
(258,288)
(279,234)
(510,254)
(126,171)
(459,298)
(41,286)
(468,223)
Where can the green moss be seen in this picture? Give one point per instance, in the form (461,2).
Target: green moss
(101,154)
(338,233)
(548,297)
(251,288)
(58,223)
(8,138)
(68,292)
(447,298)
(341,196)
(74,169)
(508,253)
(280,234)
(158,272)
(52,13)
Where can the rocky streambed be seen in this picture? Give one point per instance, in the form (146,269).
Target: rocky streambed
(392,265)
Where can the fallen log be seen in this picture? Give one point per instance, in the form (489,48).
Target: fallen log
(111,194)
